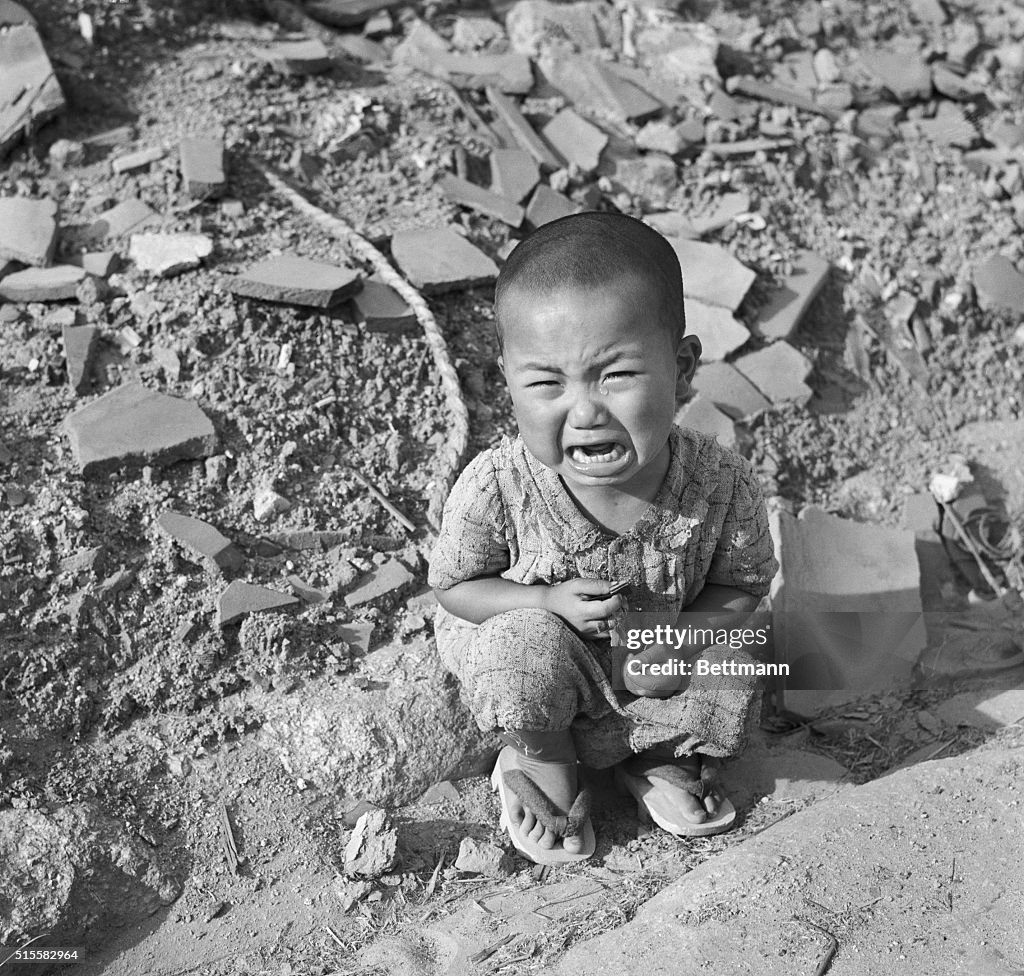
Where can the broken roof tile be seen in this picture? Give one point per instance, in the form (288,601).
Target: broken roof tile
(521,130)
(483,201)
(241,598)
(437,259)
(137,160)
(79,343)
(547,205)
(702,415)
(578,140)
(29,91)
(514,173)
(998,281)
(202,166)
(42,284)
(781,315)
(297,281)
(720,333)
(128,215)
(28,230)
(729,390)
(214,551)
(347,13)
(778,371)
(131,425)
(711,274)
(382,309)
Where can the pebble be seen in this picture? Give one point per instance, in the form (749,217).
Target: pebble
(267,503)
(480,857)
(998,281)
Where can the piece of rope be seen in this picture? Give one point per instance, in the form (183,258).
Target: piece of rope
(449,456)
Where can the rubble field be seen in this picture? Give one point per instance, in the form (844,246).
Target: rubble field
(247,252)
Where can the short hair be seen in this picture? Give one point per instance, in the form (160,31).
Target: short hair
(590,250)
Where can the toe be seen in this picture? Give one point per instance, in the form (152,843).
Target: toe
(712,803)
(529,822)
(547,840)
(574,844)
(693,809)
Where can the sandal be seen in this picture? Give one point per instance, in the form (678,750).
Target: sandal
(660,801)
(508,777)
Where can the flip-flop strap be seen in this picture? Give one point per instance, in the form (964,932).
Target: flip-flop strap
(540,805)
(677,776)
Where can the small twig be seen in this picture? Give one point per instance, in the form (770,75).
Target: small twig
(406,523)
(745,85)
(35,938)
(492,949)
(228,840)
(833,945)
(334,935)
(432,883)
(972,547)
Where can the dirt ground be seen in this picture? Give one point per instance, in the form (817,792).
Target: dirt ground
(105,701)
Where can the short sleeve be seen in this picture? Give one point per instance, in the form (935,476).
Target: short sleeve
(471,542)
(745,554)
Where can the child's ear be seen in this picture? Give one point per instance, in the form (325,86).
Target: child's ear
(687,357)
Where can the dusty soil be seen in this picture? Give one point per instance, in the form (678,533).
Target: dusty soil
(104,698)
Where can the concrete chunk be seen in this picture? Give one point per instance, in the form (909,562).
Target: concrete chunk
(137,160)
(576,139)
(29,91)
(296,280)
(128,215)
(483,201)
(781,316)
(729,390)
(720,333)
(79,342)
(596,89)
(28,230)
(1000,283)
(547,205)
(514,173)
(382,309)
(778,371)
(132,426)
(436,259)
(202,166)
(240,599)
(100,264)
(702,415)
(213,550)
(387,580)
(42,284)
(711,274)
(166,255)
(299,57)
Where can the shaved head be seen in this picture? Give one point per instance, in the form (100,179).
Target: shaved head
(595,250)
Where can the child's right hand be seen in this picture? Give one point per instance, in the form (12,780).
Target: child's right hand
(583,604)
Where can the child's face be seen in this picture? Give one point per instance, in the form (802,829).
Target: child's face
(594,376)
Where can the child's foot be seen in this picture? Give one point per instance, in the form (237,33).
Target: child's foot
(679,795)
(547,816)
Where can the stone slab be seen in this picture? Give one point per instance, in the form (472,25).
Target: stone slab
(42,284)
(509,73)
(202,166)
(28,230)
(879,857)
(137,160)
(846,608)
(782,314)
(483,201)
(729,390)
(702,415)
(382,309)
(166,255)
(903,73)
(297,281)
(596,90)
(29,91)
(100,264)
(387,580)
(523,133)
(578,140)
(241,598)
(719,331)
(132,426)
(547,205)
(12,13)
(213,550)
(711,274)
(347,13)
(514,173)
(998,281)
(126,216)
(778,371)
(299,57)
(79,344)
(436,259)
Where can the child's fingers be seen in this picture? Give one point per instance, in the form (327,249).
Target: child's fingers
(591,589)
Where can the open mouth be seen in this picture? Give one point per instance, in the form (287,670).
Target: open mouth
(601,453)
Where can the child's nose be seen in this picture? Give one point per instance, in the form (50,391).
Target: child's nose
(588,409)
